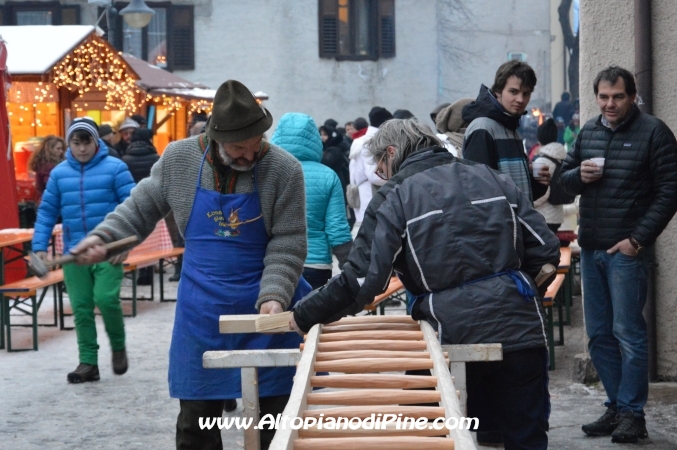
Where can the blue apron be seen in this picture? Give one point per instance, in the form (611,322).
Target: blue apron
(226,242)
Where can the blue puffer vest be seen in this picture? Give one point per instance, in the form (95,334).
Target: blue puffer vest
(82,194)
(325,205)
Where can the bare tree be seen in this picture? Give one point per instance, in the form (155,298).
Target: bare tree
(571,43)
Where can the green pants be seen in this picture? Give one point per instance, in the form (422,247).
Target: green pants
(90,286)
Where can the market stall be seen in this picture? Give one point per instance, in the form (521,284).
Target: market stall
(60,73)
(170,101)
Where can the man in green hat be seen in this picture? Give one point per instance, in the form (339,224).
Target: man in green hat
(236,201)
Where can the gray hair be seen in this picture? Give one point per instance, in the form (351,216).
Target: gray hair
(406,135)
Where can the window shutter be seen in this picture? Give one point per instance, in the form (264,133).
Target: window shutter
(386,28)
(181,38)
(328,26)
(70,15)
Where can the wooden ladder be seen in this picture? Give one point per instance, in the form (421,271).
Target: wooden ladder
(360,352)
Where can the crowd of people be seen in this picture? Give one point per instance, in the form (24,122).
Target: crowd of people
(464,215)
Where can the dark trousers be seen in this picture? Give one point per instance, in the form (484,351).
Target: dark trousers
(316,278)
(511,396)
(189,436)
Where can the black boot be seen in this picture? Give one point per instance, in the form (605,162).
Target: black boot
(84,373)
(630,429)
(603,426)
(177,269)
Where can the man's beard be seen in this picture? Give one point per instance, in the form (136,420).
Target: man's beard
(227,160)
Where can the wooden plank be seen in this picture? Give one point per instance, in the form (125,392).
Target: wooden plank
(378,335)
(370,365)
(373,319)
(250,404)
(449,398)
(388,381)
(285,436)
(429,412)
(371,326)
(374,397)
(349,354)
(390,345)
(255,323)
(250,358)
(387,430)
(474,352)
(375,443)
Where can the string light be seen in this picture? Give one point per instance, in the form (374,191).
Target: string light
(94,66)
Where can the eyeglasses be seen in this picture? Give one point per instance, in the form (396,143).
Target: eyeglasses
(379,172)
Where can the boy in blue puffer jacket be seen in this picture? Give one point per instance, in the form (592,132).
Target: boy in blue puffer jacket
(83,189)
(327,224)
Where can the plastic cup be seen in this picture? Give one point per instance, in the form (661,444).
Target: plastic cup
(600,165)
(537,166)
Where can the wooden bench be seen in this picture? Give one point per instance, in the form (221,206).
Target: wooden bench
(22,296)
(394,290)
(552,297)
(138,260)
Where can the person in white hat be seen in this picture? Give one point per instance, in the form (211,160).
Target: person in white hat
(127,127)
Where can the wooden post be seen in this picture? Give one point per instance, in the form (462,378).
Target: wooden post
(250,404)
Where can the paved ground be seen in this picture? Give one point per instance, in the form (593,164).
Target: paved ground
(40,410)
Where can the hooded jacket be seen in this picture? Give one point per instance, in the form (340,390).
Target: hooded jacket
(492,139)
(636,195)
(423,226)
(325,203)
(82,194)
(362,170)
(554,214)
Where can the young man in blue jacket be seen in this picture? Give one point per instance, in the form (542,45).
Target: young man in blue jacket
(83,190)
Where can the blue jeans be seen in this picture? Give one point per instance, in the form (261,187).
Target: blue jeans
(615,292)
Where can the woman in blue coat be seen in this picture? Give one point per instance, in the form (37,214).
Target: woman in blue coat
(328,230)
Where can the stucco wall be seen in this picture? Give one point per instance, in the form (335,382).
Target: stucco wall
(486,34)
(607,38)
(664,36)
(272,46)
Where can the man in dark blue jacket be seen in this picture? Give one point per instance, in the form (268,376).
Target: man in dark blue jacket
(624,166)
(474,284)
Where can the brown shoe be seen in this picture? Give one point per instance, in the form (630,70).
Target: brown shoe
(120,362)
(84,373)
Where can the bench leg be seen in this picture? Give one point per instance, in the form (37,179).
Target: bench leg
(457,370)
(250,404)
(35,322)
(162,280)
(560,300)
(551,337)
(134,276)
(2,321)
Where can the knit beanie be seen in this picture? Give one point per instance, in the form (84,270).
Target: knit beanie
(105,130)
(547,132)
(142,134)
(128,123)
(85,124)
(378,115)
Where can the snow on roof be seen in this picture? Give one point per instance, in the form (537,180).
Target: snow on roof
(196,93)
(153,77)
(35,49)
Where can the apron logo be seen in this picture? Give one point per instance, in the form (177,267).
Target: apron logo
(230,227)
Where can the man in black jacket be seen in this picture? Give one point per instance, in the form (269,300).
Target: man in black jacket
(492,137)
(467,242)
(627,199)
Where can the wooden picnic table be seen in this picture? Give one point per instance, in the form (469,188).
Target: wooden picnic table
(10,238)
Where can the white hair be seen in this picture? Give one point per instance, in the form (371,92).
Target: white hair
(406,135)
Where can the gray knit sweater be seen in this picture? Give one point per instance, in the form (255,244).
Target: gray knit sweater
(171,186)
